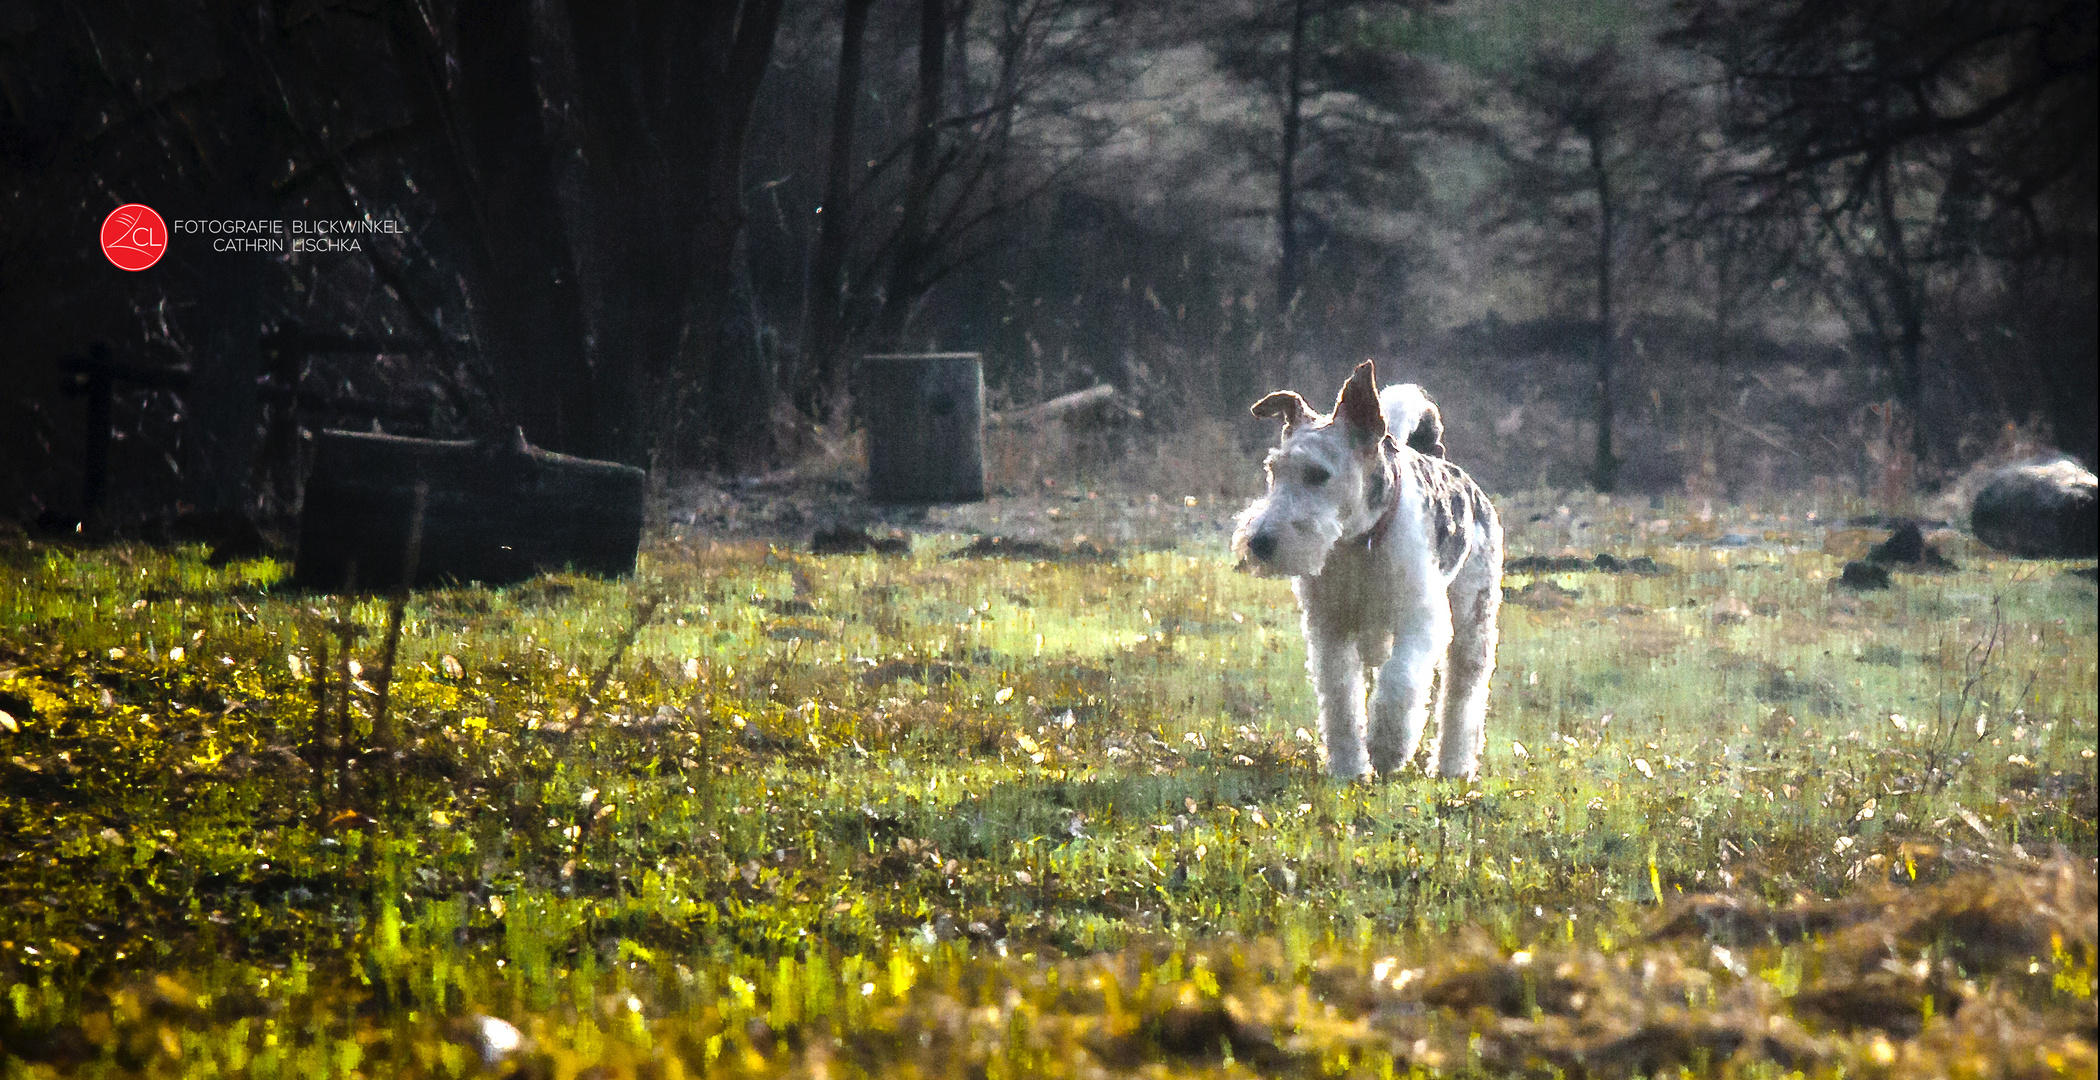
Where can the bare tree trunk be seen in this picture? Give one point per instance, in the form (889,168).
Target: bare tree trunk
(628,165)
(1605,471)
(719,354)
(1907,309)
(823,340)
(1730,289)
(958,16)
(907,266)
(219,435)
(526,315)
(1287,178)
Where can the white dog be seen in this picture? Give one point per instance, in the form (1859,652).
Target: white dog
(1396,557)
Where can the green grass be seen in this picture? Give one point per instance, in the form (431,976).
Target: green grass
(932,816)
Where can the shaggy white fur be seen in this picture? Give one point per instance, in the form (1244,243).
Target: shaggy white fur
(1396,558)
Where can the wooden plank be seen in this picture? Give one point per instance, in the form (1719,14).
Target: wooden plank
(1100,400)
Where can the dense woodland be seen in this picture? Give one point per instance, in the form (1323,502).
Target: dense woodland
(1629,244)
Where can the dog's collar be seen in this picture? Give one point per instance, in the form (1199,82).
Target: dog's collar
(1375,535)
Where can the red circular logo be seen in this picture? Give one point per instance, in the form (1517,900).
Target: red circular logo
(134,237)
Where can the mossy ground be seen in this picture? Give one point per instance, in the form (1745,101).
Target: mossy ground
(757,812)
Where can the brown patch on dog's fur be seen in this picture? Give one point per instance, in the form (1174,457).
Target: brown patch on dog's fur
(1454,505)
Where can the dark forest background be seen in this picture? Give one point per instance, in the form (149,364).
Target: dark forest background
(1722,246)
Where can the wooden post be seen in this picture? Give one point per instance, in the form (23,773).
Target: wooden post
(95,465)
(925,418)
(95,375)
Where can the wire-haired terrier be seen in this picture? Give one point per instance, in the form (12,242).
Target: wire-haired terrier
(1396,557)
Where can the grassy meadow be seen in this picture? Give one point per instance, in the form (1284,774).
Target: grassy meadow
(756,812)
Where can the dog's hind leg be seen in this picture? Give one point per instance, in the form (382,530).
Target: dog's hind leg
(1338,679)
(1469,666)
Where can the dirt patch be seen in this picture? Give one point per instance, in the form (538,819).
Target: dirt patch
(1862,575)
(929,673)
(1907,546)
(853,540)
(1603,561)
(806,505)
(1001,547)
(1543,596)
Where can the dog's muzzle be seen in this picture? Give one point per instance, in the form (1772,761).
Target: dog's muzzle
(1262,545)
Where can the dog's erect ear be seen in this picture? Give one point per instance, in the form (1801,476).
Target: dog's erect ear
(1358,405)
(1428,436)
(1285,405)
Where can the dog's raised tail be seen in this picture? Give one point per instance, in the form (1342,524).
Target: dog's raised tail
(1413,418)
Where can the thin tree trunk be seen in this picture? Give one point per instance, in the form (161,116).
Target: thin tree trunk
(1729,292)
(824,344)
(527,318)
(1908,311)
(905,269)
(219,443)
(625,165)
(1287,177)
(1605,472)
(719,351)
(958,72)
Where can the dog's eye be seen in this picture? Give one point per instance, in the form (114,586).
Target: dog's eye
(1316,475)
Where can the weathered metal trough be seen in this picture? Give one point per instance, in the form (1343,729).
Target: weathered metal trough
(384,510)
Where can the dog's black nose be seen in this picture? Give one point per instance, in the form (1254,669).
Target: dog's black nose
(1262,546)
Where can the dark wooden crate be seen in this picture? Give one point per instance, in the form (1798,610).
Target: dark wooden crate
(494,512)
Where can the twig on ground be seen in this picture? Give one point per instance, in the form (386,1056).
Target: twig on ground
(1753,432)
(642,614)
(382,735)
(318,754)
(345,736)
(1943,753)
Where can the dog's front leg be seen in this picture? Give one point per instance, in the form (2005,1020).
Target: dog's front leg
(1338,679)
(1400,706)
